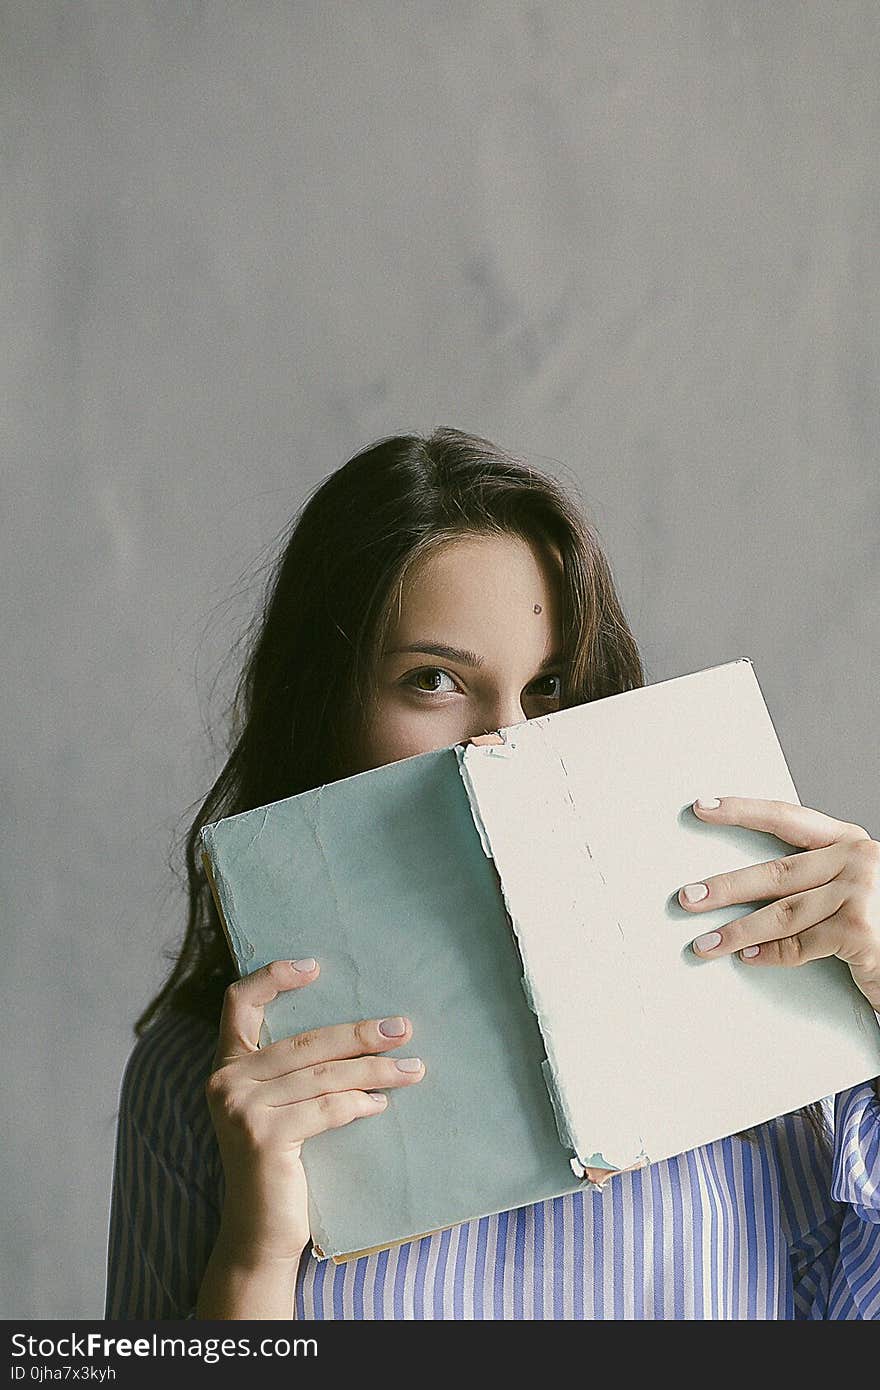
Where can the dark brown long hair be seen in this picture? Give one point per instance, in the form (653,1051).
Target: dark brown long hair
(309,677)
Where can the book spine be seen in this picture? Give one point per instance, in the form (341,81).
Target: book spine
(240,948)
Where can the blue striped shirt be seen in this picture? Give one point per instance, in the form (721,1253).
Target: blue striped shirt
(781,1227)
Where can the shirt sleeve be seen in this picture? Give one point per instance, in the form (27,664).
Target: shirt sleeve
(167,1176)
(855,1288)
(837,1264)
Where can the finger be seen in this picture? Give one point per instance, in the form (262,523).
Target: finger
(779,921)
(361,1074)
(795,873)
(815,943)
(797,825)
(293,1123)
(245,999)
(333,1043)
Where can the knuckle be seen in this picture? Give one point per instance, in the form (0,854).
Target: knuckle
(866,854)
(233,990)
(859,918)
(790,950)
(784,911)
(217,1085)
(227,1103)
(333,1108)
(365,1035)
(277,972)
(779,871)
(300,1042)
(320,1071)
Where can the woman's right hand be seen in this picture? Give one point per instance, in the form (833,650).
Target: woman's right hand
(265,1102)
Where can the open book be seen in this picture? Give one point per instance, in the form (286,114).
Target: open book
(517,900)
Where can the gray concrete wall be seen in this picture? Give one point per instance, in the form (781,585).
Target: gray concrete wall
(634,240)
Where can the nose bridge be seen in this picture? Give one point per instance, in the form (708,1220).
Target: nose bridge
(506,709)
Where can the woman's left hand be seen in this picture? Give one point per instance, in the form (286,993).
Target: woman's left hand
(824,901)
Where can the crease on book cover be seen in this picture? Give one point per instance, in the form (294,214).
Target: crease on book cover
(313,812)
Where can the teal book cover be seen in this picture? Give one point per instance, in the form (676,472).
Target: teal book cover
(383,878)
(517,900)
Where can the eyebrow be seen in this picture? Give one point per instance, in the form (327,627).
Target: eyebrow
(460,654)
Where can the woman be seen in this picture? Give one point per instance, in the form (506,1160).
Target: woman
(430,591)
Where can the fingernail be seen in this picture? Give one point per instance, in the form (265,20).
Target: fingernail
(695,892)
(408,1063)
(707,942)
(392,1027)
(378,1096)
(707,803)
(304,966)
(749,951)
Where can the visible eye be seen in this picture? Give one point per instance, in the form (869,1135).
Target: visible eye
(554,693)
(430,674)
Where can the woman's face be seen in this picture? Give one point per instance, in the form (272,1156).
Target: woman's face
(475,647)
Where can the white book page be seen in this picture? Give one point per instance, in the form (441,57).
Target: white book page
(651,1050)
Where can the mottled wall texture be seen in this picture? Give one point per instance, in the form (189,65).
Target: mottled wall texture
(635,240)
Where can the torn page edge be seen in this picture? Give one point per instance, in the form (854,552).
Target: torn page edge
(504,744)
(559,1115)
(596,1176)
(464,772)
(548,1069)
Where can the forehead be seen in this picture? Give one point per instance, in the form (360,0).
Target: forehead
(479,584)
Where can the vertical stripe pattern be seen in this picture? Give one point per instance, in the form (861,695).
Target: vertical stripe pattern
(781,1227)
